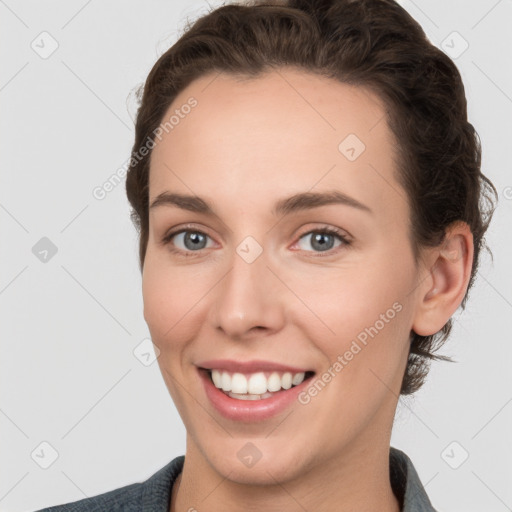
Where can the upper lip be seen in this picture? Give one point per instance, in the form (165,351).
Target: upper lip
(248,366)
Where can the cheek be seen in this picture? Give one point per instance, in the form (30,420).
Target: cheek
(363,311)
(347,300)
(172,296)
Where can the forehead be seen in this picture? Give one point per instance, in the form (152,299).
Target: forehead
(287,131)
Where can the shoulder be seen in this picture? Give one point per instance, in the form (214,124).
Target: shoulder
(151,495)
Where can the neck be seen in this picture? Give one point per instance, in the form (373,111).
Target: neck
(357,481)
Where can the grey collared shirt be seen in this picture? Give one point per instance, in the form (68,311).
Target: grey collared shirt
(406,483)
(154,494)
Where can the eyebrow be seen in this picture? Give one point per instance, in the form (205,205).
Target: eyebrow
(292,204)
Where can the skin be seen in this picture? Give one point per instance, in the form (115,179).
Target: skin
(245,145)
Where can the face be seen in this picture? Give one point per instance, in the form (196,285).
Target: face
(250,281)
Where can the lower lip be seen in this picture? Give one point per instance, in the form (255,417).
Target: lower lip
(250,410)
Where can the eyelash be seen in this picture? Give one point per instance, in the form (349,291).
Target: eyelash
(322,230)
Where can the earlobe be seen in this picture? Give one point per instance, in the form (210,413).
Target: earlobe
(448,273)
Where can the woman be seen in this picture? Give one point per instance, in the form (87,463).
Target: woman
(307,187)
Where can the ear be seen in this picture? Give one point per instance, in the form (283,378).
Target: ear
(443,286)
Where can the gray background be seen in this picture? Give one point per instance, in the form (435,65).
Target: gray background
(70,324)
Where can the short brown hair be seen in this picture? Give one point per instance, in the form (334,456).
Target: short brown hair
(370,43)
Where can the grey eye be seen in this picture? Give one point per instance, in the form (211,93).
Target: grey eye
(192,240)
(320,240)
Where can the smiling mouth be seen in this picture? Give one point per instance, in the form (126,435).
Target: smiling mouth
(256,385)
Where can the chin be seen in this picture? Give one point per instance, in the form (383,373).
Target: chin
(248,464)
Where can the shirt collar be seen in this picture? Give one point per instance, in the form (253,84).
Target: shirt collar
(406,483)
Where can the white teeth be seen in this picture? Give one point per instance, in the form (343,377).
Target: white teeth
(249,397)
(274,382)
(255,384)
(217,379)
(238,384)
(297,378)
(226,381)
(286,380)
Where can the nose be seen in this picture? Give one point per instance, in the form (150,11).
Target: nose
(249,300)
